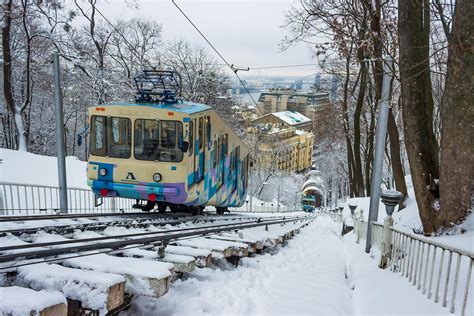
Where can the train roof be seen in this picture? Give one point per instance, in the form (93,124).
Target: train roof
(185,107)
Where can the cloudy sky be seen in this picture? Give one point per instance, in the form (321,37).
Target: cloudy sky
(246,33)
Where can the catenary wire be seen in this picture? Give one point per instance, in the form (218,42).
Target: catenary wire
(230,66)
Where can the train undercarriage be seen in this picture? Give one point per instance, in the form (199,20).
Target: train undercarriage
(161,207)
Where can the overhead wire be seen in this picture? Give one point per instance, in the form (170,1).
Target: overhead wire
(234,70)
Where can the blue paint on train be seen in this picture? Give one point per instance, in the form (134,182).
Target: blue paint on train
(185,107)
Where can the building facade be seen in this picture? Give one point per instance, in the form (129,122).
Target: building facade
(282,144)
(304,102)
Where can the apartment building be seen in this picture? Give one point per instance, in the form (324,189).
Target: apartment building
(284,142)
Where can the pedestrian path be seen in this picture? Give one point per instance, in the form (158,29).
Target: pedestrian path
(381,292)
(317,273)
(306,277)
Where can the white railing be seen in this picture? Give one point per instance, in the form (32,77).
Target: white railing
(441,272)
(29,199)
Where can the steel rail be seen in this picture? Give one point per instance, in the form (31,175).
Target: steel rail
(75,241)
(164,236)
(87,215)
(132,222)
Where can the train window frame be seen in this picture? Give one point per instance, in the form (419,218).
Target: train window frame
(92,148)
(216,154)
(158,148)
(236,166)
(191,137)
(201,132)
(109,137)
(208,129)
(123,138)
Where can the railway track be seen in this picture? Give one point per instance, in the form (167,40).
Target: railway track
(96,225)
(154,251)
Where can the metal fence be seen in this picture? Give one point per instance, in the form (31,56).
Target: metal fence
(442,273)
(28,199)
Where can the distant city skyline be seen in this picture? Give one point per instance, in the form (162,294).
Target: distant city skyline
(247,33)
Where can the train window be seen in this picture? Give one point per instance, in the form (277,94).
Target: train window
(171,133)
(191,138)
(208,127)
(98,136)
(158,140)
(111,137)
(168,134)
(146,139)
(201,132)
(120,133)
(216,154)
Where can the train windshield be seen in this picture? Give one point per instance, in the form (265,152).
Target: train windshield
(111,137)
(308,201)
(158,140)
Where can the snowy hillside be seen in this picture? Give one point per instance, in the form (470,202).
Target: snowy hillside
(24,167)
(408,219)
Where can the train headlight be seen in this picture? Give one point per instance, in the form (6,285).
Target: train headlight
(103,172)
(157,177)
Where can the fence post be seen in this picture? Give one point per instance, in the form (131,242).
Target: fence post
(2,202)
(390,198)
(360,220)
(112,204)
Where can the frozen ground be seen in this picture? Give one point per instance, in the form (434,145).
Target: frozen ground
(408,219)
(317,273)
(27,168)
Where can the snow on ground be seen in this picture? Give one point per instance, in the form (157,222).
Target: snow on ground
(381,292)
(18,301)
(23,167)
(307,277)
(408,219)
(317,273)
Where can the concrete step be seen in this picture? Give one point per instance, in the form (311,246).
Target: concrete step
(143,277)
(86,291)
(202,257)
(181,263)
(17,300)
(227,248)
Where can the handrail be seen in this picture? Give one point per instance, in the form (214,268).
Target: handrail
(435,243)
(40,185)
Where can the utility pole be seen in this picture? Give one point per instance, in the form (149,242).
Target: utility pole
(58,103)
(278,200)
(250,175)
(381,134)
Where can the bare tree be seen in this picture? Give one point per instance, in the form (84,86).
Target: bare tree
(457,149)
(417,101)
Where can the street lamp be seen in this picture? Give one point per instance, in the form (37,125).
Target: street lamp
(352,207)
(390,198)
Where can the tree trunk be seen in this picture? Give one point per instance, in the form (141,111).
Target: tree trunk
(417,102)
(358,177)
(397,168)
(457,134)
(7,76)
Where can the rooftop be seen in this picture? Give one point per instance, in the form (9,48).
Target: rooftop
(291,117)
(186,107)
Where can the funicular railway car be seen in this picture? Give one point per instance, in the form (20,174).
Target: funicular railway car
(165,152)
(308,203)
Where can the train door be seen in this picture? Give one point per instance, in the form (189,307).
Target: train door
(201,151)
(192,149)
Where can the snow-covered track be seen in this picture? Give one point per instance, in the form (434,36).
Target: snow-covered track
(102,274)
(8,218)
(51,249)
(91,223)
